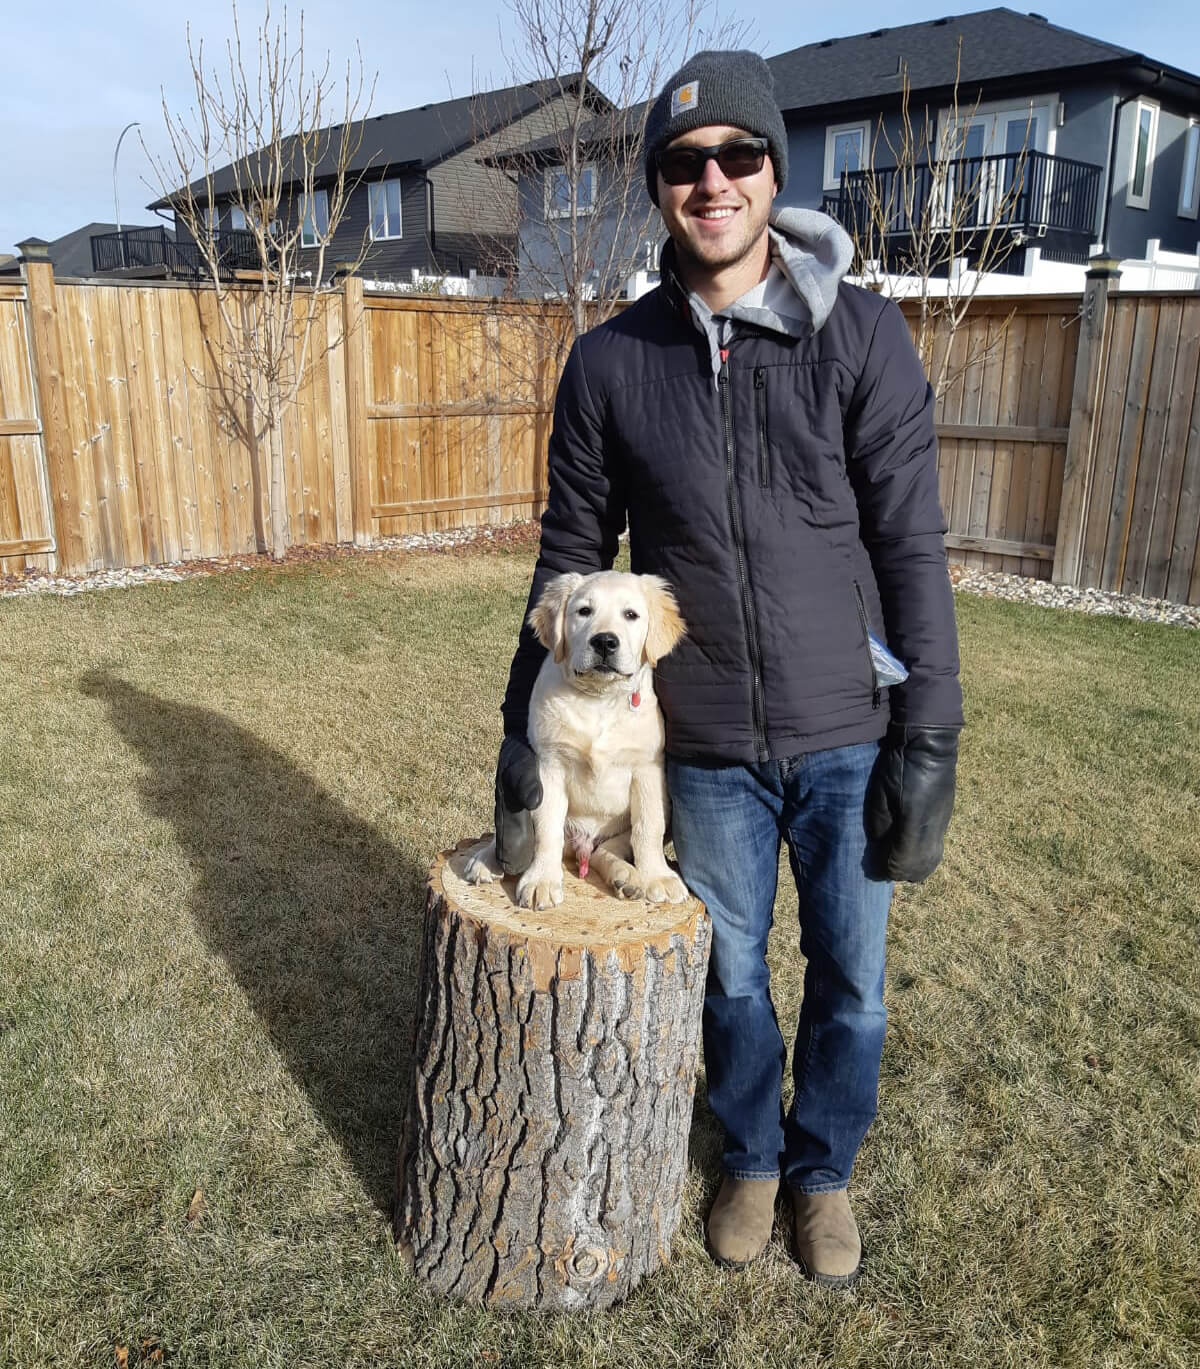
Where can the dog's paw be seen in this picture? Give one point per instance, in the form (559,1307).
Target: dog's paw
(483,865)
(536,889)
(625,881)
(666,889)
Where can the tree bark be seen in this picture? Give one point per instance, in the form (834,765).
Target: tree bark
(545,1145)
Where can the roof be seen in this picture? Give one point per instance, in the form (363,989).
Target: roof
(71,255)
(418,138)
(997,44)
(612,127)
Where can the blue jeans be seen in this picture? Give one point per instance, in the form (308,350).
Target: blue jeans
(727,822)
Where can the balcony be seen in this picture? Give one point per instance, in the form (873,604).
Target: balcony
(1043,201)
(156,251)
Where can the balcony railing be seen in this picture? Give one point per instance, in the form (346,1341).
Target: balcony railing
(1029,193)
(155,248)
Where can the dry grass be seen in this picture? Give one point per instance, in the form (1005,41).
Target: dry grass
(218,801)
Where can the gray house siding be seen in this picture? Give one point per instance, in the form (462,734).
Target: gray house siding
(472,197)
(1132,226)
(543,242)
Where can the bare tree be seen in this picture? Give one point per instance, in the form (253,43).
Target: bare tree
(258,141)
(590,224)
(929,220)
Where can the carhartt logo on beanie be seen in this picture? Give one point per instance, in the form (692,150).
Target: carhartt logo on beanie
(733,87)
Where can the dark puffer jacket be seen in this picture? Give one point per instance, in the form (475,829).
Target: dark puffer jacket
(791,500)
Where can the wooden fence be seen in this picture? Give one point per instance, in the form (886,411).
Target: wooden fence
(1070,445)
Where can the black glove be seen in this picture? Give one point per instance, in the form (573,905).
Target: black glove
(518,789)
(909,800)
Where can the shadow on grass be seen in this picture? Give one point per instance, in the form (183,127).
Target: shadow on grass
(318,916)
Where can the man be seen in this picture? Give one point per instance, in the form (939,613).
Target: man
(767,431)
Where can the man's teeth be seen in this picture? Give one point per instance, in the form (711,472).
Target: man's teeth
(716,213)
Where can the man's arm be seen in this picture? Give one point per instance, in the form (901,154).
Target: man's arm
(891,453)
(584,517)
(891,457)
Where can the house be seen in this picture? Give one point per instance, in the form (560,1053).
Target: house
(423,198)
(1086,146)
(1105,140)
(71,255)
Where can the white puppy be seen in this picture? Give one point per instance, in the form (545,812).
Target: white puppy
(595,725)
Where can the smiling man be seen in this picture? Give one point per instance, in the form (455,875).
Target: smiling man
(766,432)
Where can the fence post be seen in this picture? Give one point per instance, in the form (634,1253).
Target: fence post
(355,329)
(1081,440)
(56,438)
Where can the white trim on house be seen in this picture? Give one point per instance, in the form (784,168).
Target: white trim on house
(553,207)
(833,173)
(1135,199)
(1189,181)
(391,217)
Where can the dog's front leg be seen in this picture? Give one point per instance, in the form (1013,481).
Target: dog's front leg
(648,811)
(541,886)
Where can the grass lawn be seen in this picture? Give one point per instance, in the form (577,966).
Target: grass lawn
(218,801)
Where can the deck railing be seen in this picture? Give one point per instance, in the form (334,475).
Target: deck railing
(148,248)
(1032,193)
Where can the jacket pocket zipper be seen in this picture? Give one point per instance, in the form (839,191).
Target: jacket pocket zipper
(876,692)
(760,412)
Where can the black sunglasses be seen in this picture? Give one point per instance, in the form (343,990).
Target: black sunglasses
(737,158)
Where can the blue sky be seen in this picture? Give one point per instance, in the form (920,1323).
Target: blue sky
(85,70)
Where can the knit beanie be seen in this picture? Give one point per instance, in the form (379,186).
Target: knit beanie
(735,88)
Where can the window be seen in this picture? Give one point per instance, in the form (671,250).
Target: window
(1189,186)
(1141,160)
(316,220)
(384,197)
(237,219)
(845,150)
(558,191)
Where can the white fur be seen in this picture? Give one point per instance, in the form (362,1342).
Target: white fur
(600,758)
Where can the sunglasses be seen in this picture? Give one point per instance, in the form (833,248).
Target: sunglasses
(737,158)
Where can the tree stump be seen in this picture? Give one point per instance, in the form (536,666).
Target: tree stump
(545,1145)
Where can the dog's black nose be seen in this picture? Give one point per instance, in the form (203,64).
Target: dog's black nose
(604,643)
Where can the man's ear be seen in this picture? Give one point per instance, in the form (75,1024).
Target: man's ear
(548,617)
(666,624)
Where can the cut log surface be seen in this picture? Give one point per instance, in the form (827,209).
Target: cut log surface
(545,1144)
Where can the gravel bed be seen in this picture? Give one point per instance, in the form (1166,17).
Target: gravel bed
(474,540)
(994,585)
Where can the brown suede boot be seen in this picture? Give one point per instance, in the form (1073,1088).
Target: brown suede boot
(827,1240)
(739,1224)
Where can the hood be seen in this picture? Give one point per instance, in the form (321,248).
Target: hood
(810,253)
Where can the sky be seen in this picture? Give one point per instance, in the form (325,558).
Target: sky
(80,72)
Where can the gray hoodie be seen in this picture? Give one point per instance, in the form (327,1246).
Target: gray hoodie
(810,254)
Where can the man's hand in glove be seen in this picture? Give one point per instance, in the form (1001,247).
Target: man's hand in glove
(518,789)
(910,799)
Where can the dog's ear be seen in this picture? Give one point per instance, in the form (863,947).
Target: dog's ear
(666,625)
(548,617)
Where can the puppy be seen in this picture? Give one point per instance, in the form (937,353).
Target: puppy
(595,725)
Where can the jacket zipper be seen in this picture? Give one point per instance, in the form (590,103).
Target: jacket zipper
(739,547)
(760,409)
(876,692)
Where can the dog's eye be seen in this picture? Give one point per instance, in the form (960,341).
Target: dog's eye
(631,614)
(584,610)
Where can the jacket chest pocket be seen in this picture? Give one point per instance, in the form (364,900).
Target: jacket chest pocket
(761,432)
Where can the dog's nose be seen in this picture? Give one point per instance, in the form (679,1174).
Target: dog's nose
(604,643)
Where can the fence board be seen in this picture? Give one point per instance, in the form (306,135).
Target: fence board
(1144,478)
(1167,503)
